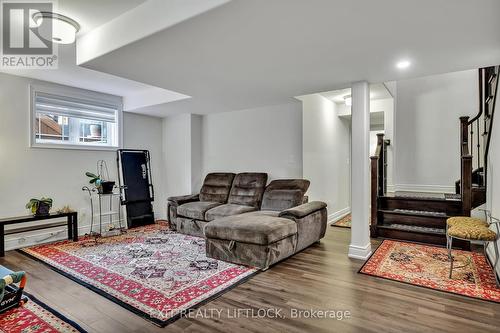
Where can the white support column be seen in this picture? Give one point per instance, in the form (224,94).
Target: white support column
(360,247)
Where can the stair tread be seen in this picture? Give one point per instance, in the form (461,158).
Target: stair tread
(413,228)
(415,212)
(423,196)
(478,188)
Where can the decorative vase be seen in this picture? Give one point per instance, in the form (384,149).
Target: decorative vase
(42,209)
(106,187)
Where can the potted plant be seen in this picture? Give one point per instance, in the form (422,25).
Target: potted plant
(40,207)
(103,186)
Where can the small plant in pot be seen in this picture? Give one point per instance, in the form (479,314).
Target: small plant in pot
(40,207)
(103,186)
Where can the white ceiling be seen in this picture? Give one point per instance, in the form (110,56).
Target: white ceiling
(262,52)
(231,55)
(377,91)
(91,14)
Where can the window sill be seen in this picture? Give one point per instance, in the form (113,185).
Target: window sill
(73,147)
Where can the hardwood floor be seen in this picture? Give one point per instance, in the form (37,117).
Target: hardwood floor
(321,277)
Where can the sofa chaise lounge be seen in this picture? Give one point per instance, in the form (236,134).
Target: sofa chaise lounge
(246,222)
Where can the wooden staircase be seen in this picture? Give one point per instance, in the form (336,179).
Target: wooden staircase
(421,217)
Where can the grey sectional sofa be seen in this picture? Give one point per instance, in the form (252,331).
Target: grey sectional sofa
(222,194)
(246,222)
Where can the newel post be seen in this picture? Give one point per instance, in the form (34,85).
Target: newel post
(374,195)
(466,185)
(464,131)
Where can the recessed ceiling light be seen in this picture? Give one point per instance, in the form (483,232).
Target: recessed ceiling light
(403,64)
(63,29)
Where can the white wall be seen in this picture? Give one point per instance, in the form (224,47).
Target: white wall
(493,183)
(197,175)
(143,132)
(427,129)
(386,105)
(326,154)
(267,139)
(58,173)
(177,154)
(381,121)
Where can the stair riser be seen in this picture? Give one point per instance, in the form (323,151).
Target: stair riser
(421,238)
(422,221)
(450,208)
(478,198)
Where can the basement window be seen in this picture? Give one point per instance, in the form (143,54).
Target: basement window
(71,118)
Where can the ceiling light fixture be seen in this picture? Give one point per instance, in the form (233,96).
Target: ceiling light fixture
(63,30)
(403,64)
(348,100)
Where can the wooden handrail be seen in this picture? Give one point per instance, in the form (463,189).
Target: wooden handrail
(481,96)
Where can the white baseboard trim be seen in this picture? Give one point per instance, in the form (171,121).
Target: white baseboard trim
(360,252)
(334,217)
(421,188)
(17,241)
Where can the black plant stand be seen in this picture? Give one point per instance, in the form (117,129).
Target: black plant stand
(97,197)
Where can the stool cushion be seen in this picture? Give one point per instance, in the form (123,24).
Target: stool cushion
(472,232)
(465,220)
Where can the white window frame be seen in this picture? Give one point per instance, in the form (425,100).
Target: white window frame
(77,93)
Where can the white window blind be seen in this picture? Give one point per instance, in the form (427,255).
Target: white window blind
(71,118)
(71,107)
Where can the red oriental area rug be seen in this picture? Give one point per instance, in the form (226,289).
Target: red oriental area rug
(152,271)
(428,266)
(36,317)
(344,222)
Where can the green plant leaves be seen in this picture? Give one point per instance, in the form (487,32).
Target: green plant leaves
(33,203)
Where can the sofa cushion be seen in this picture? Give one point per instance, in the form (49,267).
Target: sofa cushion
(247,189)
(216,187)
(250,229)
(227,210)
(282,194)
(190,226)
(197,209)
(263,213)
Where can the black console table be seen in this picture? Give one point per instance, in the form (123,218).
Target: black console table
(71,222)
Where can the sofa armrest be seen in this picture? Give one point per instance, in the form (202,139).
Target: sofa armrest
(303,210)
(180,200)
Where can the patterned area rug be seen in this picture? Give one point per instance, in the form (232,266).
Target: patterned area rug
(344,222)
(151,270)
(428,266)
(36,317)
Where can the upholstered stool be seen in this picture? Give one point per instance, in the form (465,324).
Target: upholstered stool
(472,229)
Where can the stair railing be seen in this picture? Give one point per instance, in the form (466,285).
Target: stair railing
(481,125)
(378,173)
(465,167)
